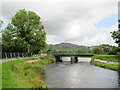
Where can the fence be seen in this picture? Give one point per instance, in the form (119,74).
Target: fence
(16,54)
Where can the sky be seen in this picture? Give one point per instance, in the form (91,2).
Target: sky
(81,22)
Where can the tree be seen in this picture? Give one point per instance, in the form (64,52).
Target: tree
(84,50)
(116,35)
(105,48)
(114,51)
(25,32)
(81,51)
(64,50)
(97,50)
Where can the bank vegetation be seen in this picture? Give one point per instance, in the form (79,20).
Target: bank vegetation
(25,73)
(107,58)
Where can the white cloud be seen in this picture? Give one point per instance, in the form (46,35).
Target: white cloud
(84,31)
(72,21)
(61,0)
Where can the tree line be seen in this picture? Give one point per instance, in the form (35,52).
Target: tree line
(101,49)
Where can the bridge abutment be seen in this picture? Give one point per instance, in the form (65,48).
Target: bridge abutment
(74,59)
(58,58)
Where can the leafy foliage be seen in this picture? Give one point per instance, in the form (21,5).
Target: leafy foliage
(97,50)
(106,49)
(25,33)
(116,35)
(84,50)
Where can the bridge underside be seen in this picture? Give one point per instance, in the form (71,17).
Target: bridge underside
(74,58)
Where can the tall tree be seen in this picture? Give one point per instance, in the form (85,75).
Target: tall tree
(116,35)
(27,32)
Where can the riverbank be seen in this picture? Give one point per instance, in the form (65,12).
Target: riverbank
(107,61)
(25,73)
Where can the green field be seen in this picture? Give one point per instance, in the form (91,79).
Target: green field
(16,74)
(112,58)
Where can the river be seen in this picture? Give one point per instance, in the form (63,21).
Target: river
(79,75)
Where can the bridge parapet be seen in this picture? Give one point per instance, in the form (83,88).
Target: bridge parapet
(67,54)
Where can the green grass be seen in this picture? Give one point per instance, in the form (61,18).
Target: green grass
(0,76)
(17,74)
(108,66)
(112,58)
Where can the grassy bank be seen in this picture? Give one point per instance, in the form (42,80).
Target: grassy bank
(112,58)
(0,76)
(17,74)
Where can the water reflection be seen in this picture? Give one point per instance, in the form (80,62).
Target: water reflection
(119,79)
(80,75)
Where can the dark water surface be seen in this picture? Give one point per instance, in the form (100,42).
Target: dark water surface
(80,75)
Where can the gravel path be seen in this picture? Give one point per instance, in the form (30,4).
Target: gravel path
(107,62)
(31,61)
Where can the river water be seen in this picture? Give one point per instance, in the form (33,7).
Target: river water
(80,75)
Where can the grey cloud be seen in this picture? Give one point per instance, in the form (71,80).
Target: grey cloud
(119,9)
(57,16)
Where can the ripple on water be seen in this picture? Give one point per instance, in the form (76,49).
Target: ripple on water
(80,75)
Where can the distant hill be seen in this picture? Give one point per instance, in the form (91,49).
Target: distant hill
(65,46)
(69,46)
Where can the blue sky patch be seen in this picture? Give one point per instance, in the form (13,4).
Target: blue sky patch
(108,21)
